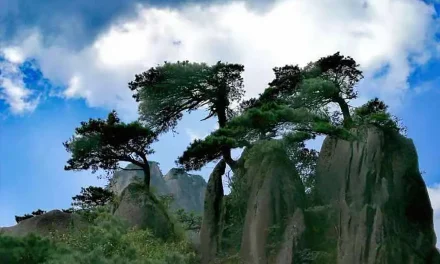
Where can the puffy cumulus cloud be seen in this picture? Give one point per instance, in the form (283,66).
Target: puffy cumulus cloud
(290,32)
(13,90)
(434,195)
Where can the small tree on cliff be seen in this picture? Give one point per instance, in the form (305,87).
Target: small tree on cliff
(91,197)
(166,92)
(331,79)
(102,144)
(375,112)
(18,218)
(27,216)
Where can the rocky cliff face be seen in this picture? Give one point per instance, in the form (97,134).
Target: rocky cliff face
(188,189)
(140,209)
(121,179)
(210,232)
(382,210)
(372,205)
(276,194)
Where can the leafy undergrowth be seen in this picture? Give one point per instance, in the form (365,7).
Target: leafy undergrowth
(107,241)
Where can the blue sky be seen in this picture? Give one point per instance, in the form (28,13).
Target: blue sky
(60,69)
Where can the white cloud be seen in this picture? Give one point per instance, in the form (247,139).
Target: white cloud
(13,90)
(291,32)
(13,55)
(434,195)
(193,135)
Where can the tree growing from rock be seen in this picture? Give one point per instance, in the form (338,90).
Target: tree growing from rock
(91,197)
(190,221)
(375,112)
(294,106)
(331,79)
(103,144)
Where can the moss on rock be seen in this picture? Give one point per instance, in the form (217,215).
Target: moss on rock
(141,208)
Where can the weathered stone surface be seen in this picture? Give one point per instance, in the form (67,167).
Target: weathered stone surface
(121,179)
(188,189)
(210,230)
(292,238)
(52,221)
(384,214)
(141,209)
(276,193)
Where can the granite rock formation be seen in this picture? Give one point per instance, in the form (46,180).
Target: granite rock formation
(370,206)
(382,209)
(188,190)
(142,210)
(51,221)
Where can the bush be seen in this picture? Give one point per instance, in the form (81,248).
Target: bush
(27,250)
(107,241)
(18,219)
(110,239)
(375,112)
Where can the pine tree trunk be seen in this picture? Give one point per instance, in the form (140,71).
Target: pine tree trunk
(345,111)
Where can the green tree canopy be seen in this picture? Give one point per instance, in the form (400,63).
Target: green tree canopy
(167,91)
(91,197)
(102,144)
(295,101)
(253,125)
(375,112)
(331,79)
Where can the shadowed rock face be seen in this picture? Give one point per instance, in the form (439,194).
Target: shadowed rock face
(121,179)
(274,208)
(140,209)
(210,231)
(292,238)
(51,221)
(372,206)
(188,189)
(383,212)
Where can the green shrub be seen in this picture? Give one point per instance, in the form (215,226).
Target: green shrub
(108,240)
(31,249)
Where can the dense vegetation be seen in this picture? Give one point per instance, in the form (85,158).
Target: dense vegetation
(102,144)
(298,105)
(108,240)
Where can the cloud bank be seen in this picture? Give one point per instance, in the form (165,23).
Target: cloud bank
(290,32)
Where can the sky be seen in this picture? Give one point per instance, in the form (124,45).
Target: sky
(65,62)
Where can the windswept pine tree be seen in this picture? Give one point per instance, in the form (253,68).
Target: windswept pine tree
(103,144)
(167,91)
(91,197)
(294,105)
